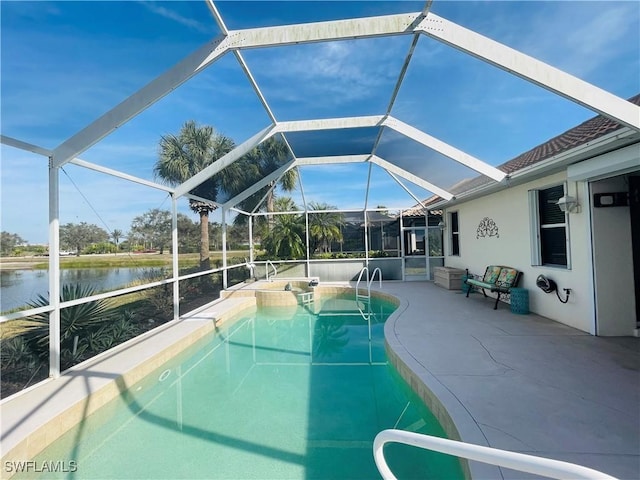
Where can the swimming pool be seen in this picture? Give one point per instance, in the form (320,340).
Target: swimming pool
(278,393)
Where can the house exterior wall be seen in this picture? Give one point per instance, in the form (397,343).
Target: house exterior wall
(509,209)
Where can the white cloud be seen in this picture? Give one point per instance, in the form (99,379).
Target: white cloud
(334,73)
(176,17)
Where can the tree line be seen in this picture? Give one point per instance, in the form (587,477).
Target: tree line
(150,231)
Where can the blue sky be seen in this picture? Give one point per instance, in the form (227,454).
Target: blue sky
(63,64)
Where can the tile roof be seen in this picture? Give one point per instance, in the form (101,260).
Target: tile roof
(593,128)
(585,132)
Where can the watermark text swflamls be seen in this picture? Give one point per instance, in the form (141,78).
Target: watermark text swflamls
(45,466)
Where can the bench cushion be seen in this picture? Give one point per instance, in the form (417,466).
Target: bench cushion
(507,277)
(491,274)
(478,283)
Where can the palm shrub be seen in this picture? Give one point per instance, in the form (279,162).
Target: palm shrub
(324,226)
(20,367)
(16,355)
(111,334)
(286,238)
(80,326)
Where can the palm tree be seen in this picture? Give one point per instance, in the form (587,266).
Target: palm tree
(182,156)
(324,227)
(273,153)
(263,160)
(116,235)
(285,240)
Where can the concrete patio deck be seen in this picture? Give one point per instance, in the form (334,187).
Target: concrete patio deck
(521,382)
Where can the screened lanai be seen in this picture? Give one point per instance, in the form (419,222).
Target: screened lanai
(343,121)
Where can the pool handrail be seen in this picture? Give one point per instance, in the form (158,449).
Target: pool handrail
(266,269)
(373,276)
(368,281)
(364,269)
(503,458)
(366,299)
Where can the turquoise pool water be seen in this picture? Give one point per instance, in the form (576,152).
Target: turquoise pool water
(279,393)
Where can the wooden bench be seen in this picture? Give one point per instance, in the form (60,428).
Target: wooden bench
(497,278)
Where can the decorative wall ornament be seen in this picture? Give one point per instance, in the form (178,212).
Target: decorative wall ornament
(487,228)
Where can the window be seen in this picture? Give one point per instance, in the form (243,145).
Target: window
(454,234)
(549,232)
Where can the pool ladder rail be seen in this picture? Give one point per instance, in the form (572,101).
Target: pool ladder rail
(366,299)
(266,269)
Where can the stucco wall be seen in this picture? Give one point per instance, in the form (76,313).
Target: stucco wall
(509,209)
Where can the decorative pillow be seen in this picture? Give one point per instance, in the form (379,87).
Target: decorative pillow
(507,277)
(491,274)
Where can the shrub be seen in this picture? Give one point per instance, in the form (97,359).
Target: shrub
(80,326)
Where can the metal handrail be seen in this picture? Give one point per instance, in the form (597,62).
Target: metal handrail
(364,269)
(368,281)
(503,458)
(266,269)
(373,276)
(367,298)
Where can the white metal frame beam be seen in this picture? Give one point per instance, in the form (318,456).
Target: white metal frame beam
(330,123)
(324,31)
(444,148)
(116,173)
(264,197)
(212,51)
(12,142)
(275,175)
(225,31)
(431,25)
(531,69)
(139,101)
(29,147)
(406,189)
(303,161)
(225,161)
(217,17)
(411,177)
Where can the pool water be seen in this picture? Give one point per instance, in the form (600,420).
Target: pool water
(279,393)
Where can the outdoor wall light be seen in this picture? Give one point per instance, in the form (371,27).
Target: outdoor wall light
(568,204)
(441,225)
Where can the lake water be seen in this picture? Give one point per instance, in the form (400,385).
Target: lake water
(19,287)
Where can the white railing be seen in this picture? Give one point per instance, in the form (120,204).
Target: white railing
(377,269)
(366,299)
(368,281)
(502,458)
(358,296)
(266,269)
